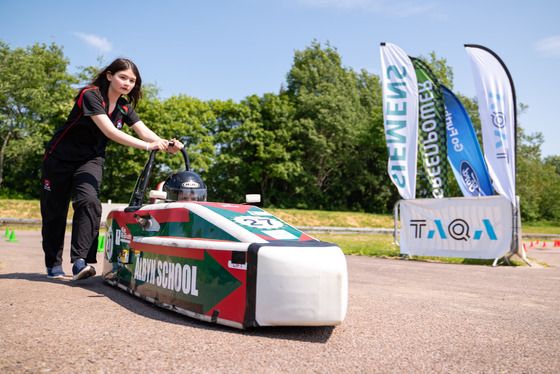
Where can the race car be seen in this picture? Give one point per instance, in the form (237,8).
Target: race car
(231,264)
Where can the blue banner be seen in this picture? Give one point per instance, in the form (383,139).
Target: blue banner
(463,149)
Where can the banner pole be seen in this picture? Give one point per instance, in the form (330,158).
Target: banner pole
(517,246)
(396,217)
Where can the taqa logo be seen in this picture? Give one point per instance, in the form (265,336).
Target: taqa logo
(470,178)
(458,229)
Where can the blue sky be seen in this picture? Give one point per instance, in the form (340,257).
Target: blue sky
(232,49)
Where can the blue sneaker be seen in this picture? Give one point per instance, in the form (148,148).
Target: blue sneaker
(81,270)
(55,272)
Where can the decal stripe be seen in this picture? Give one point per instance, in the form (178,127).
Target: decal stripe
(194,253)
(225,224)
(238,208)
(168,215)
(186,248)
(305,237)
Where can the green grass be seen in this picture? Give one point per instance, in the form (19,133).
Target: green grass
(363,245)
(551,228)
(383,246)
(319,218)
(10,208)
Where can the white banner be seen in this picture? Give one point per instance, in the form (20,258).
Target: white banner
(400,114)
(462,227)
(496,106)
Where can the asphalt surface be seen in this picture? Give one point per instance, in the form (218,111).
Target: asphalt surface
(403,317)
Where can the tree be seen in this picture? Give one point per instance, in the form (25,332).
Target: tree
(370,187)
(35,97)
(554,163)
(253,139)
(442,71)
(181,117)
(232,128)
(328,118)
(529,166)
(551,203)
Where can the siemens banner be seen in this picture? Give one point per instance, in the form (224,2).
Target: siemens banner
(463,149)
(400,115)
(476,227)
(496,106)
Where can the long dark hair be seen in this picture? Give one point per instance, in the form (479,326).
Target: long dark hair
(101,80)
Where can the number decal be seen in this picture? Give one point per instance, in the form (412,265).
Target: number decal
(262,223)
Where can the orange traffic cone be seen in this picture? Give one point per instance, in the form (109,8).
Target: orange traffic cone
(531,245)
(544,244)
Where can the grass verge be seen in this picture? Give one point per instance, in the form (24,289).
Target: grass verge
(363,245)
(383,246)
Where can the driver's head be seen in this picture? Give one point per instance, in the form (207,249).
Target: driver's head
(187,196)
(185,186)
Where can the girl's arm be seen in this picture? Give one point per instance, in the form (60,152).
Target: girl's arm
(150,141)
(144,132)
(148,135)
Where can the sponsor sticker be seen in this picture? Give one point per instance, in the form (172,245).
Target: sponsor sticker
(190,184)
(231,265)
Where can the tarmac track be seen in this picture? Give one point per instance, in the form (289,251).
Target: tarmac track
(403,317)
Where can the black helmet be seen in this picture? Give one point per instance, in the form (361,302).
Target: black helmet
(185,186)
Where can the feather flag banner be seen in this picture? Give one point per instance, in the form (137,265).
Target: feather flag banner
(400,116)
(497,109)
(432,134)
(464,153)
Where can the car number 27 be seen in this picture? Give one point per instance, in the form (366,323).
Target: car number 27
(259,222)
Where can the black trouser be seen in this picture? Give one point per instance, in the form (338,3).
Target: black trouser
(60,180)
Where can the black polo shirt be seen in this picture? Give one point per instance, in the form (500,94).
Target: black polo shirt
(79,139)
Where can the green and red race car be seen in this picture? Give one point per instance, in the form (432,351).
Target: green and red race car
(231,264)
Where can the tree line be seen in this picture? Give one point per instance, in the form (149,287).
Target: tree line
(318,143)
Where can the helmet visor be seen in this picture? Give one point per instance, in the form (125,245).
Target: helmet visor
(191,194)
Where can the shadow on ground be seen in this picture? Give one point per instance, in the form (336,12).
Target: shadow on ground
(310,334)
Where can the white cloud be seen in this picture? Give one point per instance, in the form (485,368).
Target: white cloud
(102,44)
(549,46)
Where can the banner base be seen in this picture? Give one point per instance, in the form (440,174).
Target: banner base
(517,242)
(506,260)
